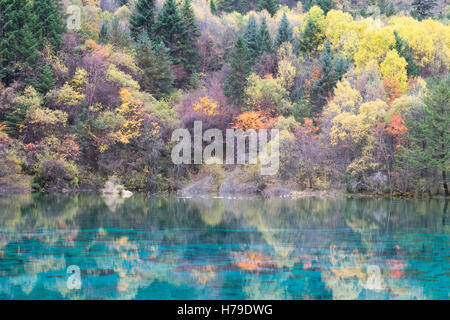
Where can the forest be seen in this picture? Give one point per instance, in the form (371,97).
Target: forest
(93,89)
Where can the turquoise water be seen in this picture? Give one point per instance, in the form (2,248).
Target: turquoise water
(167,248)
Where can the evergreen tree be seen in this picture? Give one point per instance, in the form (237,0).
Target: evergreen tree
(46,80)
(422,8)
(49,24)
(265,41)
(212,7)
(171,29)
(271,6)
(240,69)
(154,60)
(429,135)
(310,38)
(103,34)
(405,51)
(251,38)
(333,68)
(325,5)
(284,31)
(143,18)
(190,52)
(242,6)
(18,46)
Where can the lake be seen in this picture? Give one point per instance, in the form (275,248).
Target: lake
(148,247)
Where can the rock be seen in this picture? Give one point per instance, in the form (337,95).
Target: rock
(114,188)
(277,191)
(232,187)
(204,186)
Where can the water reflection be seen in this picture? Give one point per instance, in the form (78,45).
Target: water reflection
(167,248)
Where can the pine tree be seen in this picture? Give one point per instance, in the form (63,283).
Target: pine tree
(240,69)
(429,135)
(310,38)
(251,38)
(242,6)
(190,52)
(212,7)
(422,8)
(143,18)
(332,69)
(46,80)
(103,34)
(154,60)
(171,29)
(284,31)
(265,41)
(49,24)
(18,46)
(271,6)
(405,51)
(325,5)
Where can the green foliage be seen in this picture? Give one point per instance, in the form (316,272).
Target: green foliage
(143,19)
(405,51)
(325,5)
(212,7)
(46,80)
(50,24)
(18,46)
(284,31)
(251,38)
(312,35)
(265,41)
(422,8)
(271,6)
(240,62)
(429,135)
(157,76)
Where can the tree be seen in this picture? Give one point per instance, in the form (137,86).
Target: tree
(240,63)
(157,76)
(325,5)
(422,8)
(50,24)
(405,51)
(429,135)
(18,46)
(212,7)
(271,6)
(333,67)
(171,29)
(265,41)
(190,52)
(143,18)
(284,31)
(251,38)
(46,80)
(312,35)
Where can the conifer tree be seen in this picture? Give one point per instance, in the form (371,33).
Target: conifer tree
(284,31)
(429,135)
(49,24)
(103,34)
(265,41)
(405,51)
(171,29)
(240,69)
(143,18)
(18,46)
(251,38)
(212,7)
(46,80)
(325,5)
(154,60)
(422,8)
(310,38)
(271,6)
(190,52)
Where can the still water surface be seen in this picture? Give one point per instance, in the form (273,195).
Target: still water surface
(168,248)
